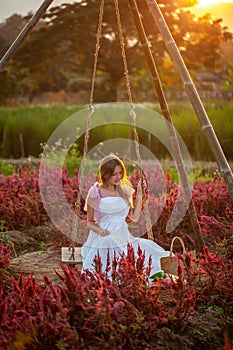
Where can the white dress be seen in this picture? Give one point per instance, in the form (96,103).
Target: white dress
(112,213)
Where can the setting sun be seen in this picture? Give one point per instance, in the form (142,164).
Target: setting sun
(204,3)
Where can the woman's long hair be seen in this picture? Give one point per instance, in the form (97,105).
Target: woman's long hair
(106,170)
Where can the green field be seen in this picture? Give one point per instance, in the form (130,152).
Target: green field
(23,130)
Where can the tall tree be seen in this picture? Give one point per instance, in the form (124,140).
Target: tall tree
(62,50)
(11,27)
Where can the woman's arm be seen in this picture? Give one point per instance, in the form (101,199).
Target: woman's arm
(93,225)
(135,212)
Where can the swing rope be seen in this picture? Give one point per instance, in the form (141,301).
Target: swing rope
(77,211)
(133,118)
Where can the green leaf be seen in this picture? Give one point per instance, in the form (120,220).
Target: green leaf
(217,309)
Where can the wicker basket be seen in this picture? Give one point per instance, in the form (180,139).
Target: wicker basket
(170,263)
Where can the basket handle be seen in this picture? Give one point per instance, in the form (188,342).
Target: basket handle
(173,240)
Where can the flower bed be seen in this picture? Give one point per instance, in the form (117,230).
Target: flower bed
(91,311)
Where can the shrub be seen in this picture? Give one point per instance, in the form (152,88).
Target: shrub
(21,204)
(5,257)
(117,309)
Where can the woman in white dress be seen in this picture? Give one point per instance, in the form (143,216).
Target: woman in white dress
(109,202)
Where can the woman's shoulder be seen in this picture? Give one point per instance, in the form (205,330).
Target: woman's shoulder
(94,190)
(92,200)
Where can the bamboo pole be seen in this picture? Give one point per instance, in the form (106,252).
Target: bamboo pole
(23,34)
(197,235)
(192,93)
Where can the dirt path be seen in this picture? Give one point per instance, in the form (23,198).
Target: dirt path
(39,263)
(36,252)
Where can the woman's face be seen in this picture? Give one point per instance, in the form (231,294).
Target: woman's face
(116,176)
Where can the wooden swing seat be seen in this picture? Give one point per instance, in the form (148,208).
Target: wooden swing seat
(67,258)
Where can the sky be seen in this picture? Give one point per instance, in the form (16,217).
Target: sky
(203,3)
(22,7)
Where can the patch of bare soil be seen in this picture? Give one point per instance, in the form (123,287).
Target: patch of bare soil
(39,263)
(201,331)
(35,253)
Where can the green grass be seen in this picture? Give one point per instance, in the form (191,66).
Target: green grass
(34,124)
(187,124)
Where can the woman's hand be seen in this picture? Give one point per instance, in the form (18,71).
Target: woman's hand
(104,232)
(139,189)
(93,225)
(135,211)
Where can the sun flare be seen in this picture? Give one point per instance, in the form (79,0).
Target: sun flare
(203,3)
